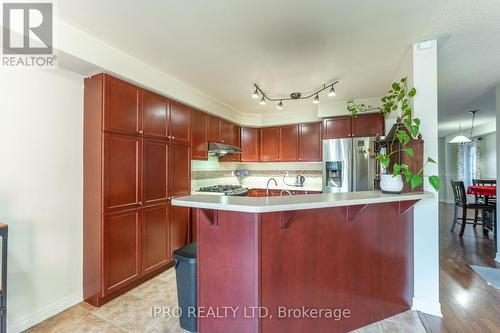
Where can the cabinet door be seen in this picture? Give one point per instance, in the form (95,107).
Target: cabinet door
(154,115)
(288,143)
(155,237)
(337,127)
(310,142)
(122,107)
(179,170)
(155,177)
(250,144)
(269,144)
(235,141)
(122,172)
(225,132)
(180,123)
(121,249)
(199,141)
(214,128)
(368,125)
(179,227)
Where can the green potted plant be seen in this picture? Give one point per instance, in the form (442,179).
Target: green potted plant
(398,99)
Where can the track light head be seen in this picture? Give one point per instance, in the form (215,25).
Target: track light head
(332,92)
(255,94)
(316,99)
(280,105)
(262,101)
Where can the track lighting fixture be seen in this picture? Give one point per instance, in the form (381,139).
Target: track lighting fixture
(293,96)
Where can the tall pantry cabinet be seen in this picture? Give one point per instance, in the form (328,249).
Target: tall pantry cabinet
(136,159)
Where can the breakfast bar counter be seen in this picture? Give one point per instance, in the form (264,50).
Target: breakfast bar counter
(318,263)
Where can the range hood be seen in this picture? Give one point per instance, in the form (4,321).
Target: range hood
(221,149)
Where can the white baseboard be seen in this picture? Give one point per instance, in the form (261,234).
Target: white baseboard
(424,306)
(45,313)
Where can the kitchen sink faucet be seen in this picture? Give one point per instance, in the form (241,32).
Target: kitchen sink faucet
(267,185)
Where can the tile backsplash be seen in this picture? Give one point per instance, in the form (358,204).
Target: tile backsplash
(209,174)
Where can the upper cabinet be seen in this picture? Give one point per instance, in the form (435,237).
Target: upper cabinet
(122,112)
(180,123)
(359,126)
(155,115)
(269,144)
(372,124)
(250,144)
(179,158)
(199,138)
(288,143)
(309,142)
(214,125)
(337,127)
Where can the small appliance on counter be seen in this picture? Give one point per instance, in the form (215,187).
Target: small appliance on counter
(232,190)
(299,180)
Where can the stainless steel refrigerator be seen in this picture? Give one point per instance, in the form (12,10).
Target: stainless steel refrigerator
(347,166)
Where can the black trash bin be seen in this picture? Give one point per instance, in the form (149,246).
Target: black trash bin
(185,271)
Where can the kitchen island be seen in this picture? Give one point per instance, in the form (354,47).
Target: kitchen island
(318,263)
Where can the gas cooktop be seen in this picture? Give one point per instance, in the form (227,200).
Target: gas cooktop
(226,189)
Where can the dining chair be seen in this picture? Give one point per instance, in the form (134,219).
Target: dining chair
(461,202)
(481,198)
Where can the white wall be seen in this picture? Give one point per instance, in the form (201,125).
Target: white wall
(488,163)
(420,66)
(41,123)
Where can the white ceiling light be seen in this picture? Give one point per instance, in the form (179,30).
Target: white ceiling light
(262,101)
(255,94)
(462,138)
(280,105)
(316,99)
(332,92)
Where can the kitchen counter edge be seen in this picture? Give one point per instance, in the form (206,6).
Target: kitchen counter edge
(296,202)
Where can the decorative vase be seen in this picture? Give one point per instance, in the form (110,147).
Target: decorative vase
(391,184)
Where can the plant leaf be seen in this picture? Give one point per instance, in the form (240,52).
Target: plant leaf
(412,92)
(396,168)
(408,175)
(435,182)
(430,160)
(384,160)
(416,121)
(416,181)
(414,131)
(409,151)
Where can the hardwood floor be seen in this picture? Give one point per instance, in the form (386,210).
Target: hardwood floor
(468,303)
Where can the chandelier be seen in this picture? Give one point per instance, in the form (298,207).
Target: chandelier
(259,93)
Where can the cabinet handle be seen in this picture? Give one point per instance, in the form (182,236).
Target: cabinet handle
(140,203)
(173,137)
(140,132)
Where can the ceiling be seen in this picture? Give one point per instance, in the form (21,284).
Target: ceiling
(222,47)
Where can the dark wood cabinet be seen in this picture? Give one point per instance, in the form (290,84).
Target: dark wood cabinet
(155,115)
(310,149)
(180,123)
(136,158)
(288,143)
(269,144)
(337,127)
(179,170)
(214,128)
(179,227)
(121,249)
(236,141)
(121,106)
(199,138)
(155,237)
(365,125)
(372,124)
(122,172)
(155,174)
(250,144)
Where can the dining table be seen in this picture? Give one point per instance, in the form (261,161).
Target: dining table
(486,192)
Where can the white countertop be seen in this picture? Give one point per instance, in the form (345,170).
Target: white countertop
(296,202)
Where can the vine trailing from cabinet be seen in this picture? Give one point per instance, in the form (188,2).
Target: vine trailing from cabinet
(398,99)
